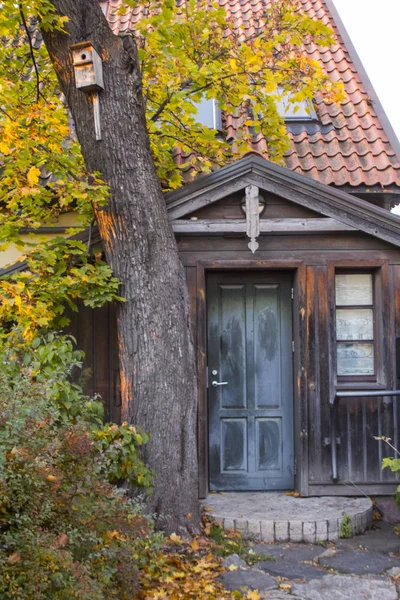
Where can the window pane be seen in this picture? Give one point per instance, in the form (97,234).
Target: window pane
(355,359)
(354,324)
(354,289)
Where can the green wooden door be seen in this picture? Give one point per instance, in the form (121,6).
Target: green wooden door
(250,353)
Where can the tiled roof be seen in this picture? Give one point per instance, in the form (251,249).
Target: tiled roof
(347,146)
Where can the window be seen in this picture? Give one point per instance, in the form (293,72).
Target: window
(355,330)
(209,113)
(298,111)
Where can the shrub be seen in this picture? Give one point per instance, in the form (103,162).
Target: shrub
(65,530)
(392,463)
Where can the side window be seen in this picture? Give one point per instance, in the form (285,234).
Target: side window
(355,329)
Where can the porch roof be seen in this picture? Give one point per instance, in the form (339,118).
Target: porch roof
(255,170)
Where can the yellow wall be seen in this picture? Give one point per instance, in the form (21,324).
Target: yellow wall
(11,255)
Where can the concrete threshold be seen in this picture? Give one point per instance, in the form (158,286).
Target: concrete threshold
(275,517)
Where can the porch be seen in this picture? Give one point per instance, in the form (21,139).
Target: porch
(277,517)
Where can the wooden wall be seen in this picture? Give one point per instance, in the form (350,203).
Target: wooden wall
(314,256)
(96,334)
(359,455)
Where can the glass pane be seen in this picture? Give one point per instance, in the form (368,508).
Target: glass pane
(354,324)
(355,359)
(354,289)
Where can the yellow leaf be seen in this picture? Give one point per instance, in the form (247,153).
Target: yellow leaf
(285,586)
(51,478)
(232,568)
(33,176)
(195,545)
(253,595)
(4,149)
(176,539)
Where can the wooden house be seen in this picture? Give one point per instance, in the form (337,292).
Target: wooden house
(294,280)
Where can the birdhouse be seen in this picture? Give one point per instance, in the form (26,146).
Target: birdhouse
(88,67)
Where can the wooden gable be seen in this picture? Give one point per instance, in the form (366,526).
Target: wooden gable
(295,204)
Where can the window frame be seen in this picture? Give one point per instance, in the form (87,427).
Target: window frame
(383,321)
(374,341)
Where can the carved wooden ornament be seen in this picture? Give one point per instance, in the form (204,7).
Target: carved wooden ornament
(252,216)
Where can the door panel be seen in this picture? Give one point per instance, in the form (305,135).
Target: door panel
(250,353)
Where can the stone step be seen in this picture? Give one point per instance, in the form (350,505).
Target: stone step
(275,517)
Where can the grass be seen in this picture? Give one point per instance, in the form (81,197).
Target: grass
(226,543)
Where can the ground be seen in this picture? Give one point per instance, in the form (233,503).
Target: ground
(366,567)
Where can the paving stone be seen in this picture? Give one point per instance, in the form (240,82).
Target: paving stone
(381,539)
(248,579)
(289,552)
(234,560)
(389,510)
(359,562)
(291,570)
(276,595)
(342,587)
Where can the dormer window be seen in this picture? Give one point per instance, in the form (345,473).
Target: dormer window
(295,111)
(209,113)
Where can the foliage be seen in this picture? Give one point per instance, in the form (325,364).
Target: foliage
(58,273)
(225,543)
(392,463)
(189,52)
(210,57)
(345,527)
(66,532)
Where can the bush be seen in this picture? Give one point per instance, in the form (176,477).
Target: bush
(65,530)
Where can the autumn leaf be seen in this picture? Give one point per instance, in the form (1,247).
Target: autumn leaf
(195,545)
(14,558)
(253,595)
(61,541)
(232,568)
(285,586)
(33,176)
(176,539)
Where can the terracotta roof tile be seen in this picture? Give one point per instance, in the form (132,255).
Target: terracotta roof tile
(349,146)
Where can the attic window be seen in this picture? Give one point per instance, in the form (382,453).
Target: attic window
(209,113)
(295,111)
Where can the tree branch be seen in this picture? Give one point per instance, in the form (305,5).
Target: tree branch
(25,24)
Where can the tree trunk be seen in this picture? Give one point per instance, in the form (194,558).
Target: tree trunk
(157,360)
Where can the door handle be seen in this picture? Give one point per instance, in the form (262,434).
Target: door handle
(217,383)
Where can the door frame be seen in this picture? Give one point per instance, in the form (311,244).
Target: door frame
(300,337)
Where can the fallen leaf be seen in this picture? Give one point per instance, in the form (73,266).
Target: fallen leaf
(14,558)
(285,586)
(232,568)
(195,545)
(176,539)
(61,541)
(253,595)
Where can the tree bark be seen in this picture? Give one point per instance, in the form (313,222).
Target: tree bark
(157,360)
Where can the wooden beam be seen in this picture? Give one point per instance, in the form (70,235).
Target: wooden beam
(266,226)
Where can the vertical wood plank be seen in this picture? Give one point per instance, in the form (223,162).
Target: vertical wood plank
(301,338)
(313,391)
(202,379)
(101,357)
(86,343)
(115,382)
(324,375)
